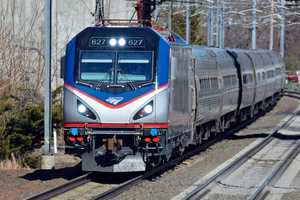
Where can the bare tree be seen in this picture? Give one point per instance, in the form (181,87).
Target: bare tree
(21,57)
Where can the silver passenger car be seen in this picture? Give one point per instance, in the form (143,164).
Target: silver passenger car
(248,80)
(208,84)
(181,96)
(232,85)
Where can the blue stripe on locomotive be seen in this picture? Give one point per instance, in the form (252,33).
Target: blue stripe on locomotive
(70,63)
(162,66)
(163,62)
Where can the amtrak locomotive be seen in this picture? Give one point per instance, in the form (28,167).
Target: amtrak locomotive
(134,96)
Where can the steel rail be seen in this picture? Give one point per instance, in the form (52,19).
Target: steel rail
(291,92)
(118,189)
(115,191)
(292,96)
(238,162)
(135,181)
(276,172)
(125,186)
(62,188)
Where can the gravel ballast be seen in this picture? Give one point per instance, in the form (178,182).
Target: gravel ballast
(19,184)
(184,175)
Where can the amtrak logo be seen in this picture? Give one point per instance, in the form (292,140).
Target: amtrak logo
(114,100)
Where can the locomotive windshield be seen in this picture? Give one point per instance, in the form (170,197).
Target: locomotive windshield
(116,67)
(135,67)
(97,66)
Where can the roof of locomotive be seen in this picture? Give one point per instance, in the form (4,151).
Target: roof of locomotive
(171,37)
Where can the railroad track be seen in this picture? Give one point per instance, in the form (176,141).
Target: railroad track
(79,181)
(203,189)
(262,190)
(292,94)
(292,91)
(117,190)
(124,187)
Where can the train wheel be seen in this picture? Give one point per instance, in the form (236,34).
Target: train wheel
(198,135)
(207,133)
(181,150)
(155,161)
(178,151)
(213,133)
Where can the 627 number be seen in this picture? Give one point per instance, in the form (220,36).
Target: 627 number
(136,42)
(97,42)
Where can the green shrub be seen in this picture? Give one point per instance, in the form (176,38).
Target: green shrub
(32,161)
(22,126)
(292,63)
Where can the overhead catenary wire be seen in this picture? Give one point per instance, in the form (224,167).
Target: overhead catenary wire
(235,13)
(86,6)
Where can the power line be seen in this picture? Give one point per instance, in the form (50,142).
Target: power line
(86,6)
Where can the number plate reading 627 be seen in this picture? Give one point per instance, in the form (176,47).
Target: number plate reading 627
(135,42)
(98,42)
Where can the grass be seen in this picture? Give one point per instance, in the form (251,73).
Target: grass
(12,164)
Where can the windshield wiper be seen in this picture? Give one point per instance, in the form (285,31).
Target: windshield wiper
(145,84)
(129,83)
(84,84)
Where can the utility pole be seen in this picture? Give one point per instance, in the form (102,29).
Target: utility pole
(170,15)
(209,24)
(221,24)
(218,20)
(156,13)
(253,29)
(213,24)
(282,28)
(188,24)
(47,158)
(212,27)
(56,44)
(272,26)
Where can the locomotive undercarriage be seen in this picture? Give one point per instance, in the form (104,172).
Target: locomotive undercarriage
(121,150)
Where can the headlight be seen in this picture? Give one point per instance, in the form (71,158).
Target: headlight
(148,109)
(81,108)
(145,111)
(122,42)
(112,42)
(85,111)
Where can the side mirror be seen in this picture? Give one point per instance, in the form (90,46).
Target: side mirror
(62,66)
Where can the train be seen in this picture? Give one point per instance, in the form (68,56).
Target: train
(136,96)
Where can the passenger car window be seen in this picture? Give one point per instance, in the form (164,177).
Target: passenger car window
(245,79)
